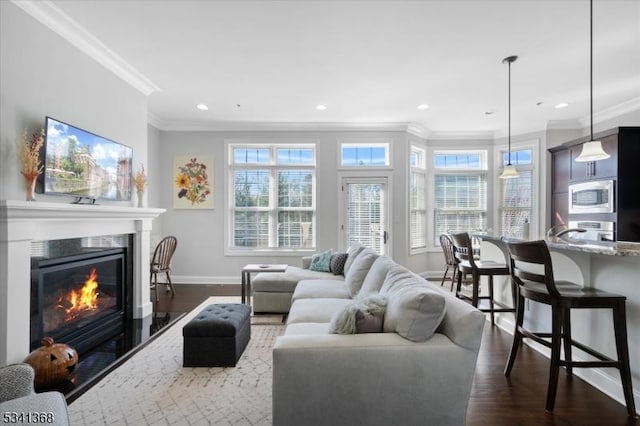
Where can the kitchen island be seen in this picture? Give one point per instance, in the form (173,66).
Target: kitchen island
(609,266)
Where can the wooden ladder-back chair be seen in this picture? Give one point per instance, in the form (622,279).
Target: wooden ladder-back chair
(562,296)
(450,260)
(161,262)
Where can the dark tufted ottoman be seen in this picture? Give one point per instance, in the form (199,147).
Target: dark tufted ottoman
(217,336)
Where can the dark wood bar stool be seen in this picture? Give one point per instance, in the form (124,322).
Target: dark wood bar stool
(467,264)
(563,296)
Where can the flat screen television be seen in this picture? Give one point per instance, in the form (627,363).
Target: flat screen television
(85,165)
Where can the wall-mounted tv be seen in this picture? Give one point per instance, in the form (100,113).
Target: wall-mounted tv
(85,165)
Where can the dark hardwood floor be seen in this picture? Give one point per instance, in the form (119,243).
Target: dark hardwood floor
(495,399)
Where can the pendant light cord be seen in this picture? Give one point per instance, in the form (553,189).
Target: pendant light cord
(591,64)
(509,140)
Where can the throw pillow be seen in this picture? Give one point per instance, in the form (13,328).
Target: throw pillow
(363,315)
(336,264)
(344,320)
(355,276)
(366,322)
(414,313)
(320,261)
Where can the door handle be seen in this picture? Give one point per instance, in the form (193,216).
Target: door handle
(385,236)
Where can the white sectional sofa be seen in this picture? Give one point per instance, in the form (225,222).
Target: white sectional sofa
(272,291)
(418,371)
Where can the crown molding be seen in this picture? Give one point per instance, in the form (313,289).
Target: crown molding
(237,126)
(470,135)
(563,125)
(50,15)
(611,112)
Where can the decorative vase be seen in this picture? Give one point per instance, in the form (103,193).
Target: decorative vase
(31,188)
(140,198)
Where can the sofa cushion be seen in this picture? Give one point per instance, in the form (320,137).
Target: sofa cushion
(317,289)
(286,282)
(414,313)
(336,264)
(320,261)
(307,328)
(375,277)
(399,277)
(352,254)
(358,271)
(315,310)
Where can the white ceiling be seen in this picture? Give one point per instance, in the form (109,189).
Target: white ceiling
(372,62)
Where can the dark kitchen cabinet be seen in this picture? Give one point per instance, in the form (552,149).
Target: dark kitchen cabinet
(623,146)
(561,167)
(595,170)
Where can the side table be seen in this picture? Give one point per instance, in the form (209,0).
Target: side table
(246,277)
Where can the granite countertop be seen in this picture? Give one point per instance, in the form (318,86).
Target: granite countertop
(619,248)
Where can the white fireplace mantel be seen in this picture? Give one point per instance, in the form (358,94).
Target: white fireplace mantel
(22,222)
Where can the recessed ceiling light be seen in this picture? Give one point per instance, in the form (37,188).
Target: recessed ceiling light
(423,106)
(321,107)
(202,107)
(562,105)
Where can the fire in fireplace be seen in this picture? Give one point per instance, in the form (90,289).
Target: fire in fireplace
(78,304)
(79,299)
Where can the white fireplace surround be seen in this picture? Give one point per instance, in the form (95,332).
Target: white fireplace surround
(22,222)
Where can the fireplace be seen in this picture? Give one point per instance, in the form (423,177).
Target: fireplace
(80,290)
(23,223)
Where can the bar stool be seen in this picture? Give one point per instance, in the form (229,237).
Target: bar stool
(467,264)
(562,296)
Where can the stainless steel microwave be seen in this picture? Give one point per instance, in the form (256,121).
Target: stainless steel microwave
(591,197)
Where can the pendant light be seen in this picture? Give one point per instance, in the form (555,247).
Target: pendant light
(509,171)
(592,150)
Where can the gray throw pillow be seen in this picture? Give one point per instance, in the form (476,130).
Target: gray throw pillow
(414,313)
(336,264)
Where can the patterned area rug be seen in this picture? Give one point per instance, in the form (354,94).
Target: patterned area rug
(152,388)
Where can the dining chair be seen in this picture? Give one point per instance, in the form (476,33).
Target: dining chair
(161,262)
(450,260)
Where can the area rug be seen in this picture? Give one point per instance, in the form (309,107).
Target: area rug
(152,387)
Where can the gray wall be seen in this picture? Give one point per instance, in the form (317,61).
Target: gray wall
(41,74)
(201,254)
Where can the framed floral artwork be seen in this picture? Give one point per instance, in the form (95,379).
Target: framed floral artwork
(192,182)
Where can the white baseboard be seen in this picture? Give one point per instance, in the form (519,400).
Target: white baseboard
(596,377)
(193,279)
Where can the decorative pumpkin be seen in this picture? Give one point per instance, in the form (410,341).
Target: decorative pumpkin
(52,362)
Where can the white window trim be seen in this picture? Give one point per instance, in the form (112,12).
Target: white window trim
(534,145)
(365,142)
(432,171)
(423,170)
(229,144)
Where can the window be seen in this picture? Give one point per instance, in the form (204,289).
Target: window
(272,196)
(516,202)
(460,193)
(417,199)
(364,154)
